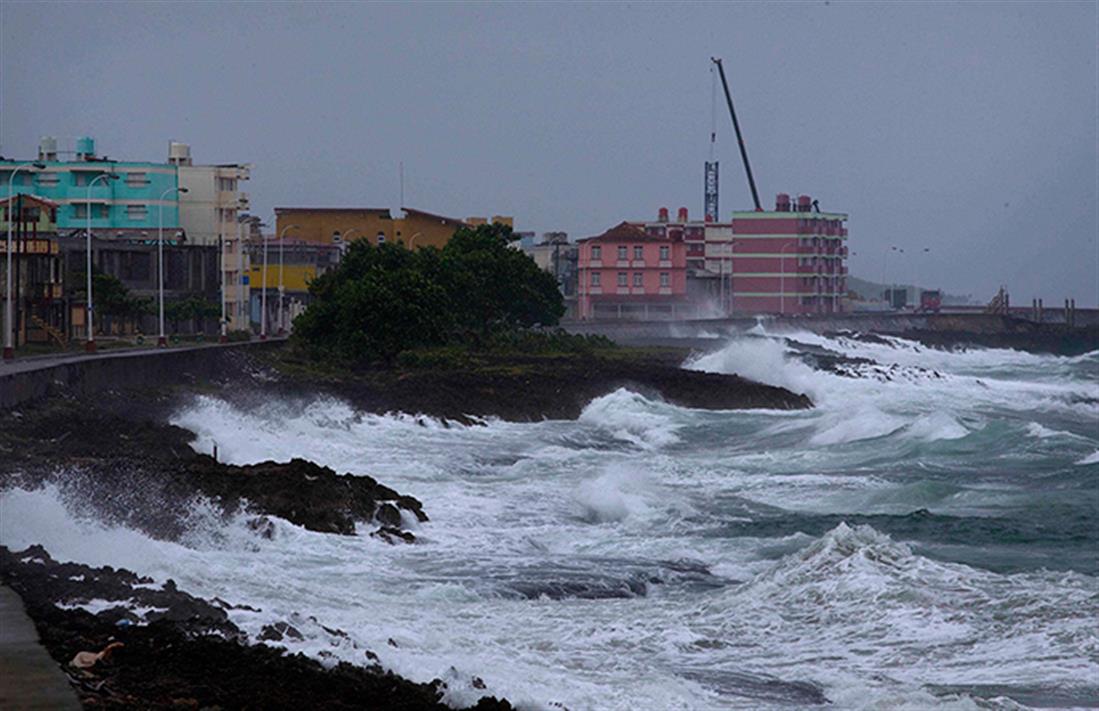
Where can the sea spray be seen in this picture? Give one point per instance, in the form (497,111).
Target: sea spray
(911,542)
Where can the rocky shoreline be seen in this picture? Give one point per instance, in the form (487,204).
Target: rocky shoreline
(116,456)
(157,647)
(525,388)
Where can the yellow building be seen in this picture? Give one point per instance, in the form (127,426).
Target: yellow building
(339,225)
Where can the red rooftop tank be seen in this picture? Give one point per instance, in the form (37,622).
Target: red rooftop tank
(804,201)
(662,215)
(782,202)
(683,214)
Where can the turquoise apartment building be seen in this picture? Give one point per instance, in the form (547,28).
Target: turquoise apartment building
(124,207)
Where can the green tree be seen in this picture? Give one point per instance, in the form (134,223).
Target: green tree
(378,302)
(191,308)
(383,300)
(112,298)
(493,286)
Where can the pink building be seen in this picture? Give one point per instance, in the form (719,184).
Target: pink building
(628,273)
(788,261)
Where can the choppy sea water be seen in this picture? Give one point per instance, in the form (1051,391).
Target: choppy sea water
(926,537)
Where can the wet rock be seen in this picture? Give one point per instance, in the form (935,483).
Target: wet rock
(107,457)
(301,492)
(525,388)
(263,526)
(279,631)
(388,515)
(393,535)
(191,656)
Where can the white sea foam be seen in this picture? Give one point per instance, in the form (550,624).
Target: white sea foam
(936,426)
(638,491)
(1092,458)
(619,492)
(632,418)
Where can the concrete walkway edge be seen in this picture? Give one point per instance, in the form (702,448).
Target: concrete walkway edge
(29,677)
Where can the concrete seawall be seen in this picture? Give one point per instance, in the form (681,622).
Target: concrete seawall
(945,328)
(25,381)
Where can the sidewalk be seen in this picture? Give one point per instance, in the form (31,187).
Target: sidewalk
(29,678)
(27,364)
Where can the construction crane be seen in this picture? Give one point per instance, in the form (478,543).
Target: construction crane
(739,137)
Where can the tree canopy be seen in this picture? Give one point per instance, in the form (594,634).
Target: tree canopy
(385,299)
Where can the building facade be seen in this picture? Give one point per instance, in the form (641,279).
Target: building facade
(37,293)
(290,269)
(627,272)
(130,203)
(340,225)
(212,214)
(788,261)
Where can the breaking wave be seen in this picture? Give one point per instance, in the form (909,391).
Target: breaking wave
(920,539)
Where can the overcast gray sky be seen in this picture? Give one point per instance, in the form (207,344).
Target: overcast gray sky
(965,128)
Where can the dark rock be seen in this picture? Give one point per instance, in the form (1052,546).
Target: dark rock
(523,388)
(278,631)
(106,458)
(192,656)
(393,535)
(388,515)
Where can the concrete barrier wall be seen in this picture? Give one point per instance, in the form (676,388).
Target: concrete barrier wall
(972,323)
(23,382)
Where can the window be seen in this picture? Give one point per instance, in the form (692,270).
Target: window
(639,253)
(136,179)
(595,278)
(48,179)
(622,278)
(227,184)
(137,212)
(596,252)
(381,238)
(80,210)
(134,265)
(622,253)
(665,280)
(664,251)
(637,279)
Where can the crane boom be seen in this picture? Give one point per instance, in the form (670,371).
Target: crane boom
(739,137)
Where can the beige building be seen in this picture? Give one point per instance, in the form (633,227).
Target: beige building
(208,214)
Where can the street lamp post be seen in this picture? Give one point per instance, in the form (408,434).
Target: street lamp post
(263,294)
(9,326)
(732,269)
(89,344)
(782,277)
(282,316)
(916,270)
(161,340)
(224,337)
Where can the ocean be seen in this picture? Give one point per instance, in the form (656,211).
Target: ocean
(926,537)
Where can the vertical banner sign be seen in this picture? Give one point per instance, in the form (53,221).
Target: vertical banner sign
(711,192)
